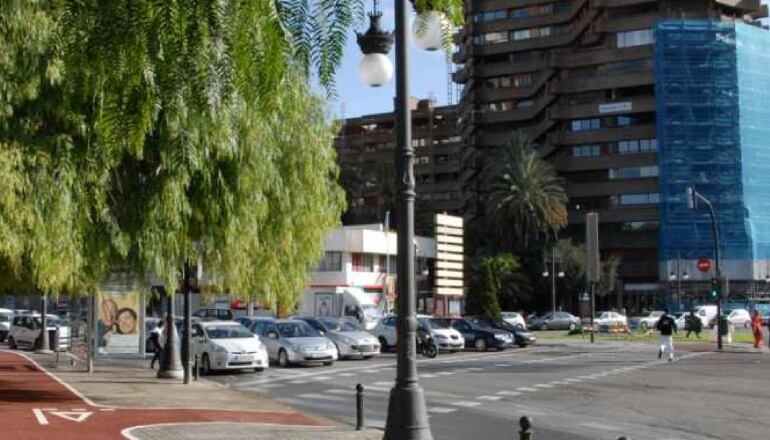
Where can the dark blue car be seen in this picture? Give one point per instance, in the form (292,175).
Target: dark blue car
(480,336)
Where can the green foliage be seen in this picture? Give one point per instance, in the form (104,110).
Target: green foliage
(572,259)
(526,199)
(146,134)
(494,280)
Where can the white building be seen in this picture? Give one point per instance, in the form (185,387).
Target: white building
(364,256)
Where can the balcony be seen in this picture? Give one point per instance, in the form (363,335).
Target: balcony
(613,187)
(617,215)
(603,82)
(619,3)
(564,137)
(567,163)
(485,94)
(564,58)
(518,114)
(564,110)
(530,22)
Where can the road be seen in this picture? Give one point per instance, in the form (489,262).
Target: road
(571,391)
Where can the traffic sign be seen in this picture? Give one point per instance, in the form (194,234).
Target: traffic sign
(704,264)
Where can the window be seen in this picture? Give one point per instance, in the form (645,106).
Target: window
(636,226)
(332,262)
(634,172)
(522,34)
(639,37)
(586,124)
(545,31)
(482,17)
(587,150)
(495,38)
(637,146)
(639,199)
(625,121)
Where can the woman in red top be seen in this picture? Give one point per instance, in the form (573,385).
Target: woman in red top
(756,327)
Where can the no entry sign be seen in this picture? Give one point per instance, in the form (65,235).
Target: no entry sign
(704,264)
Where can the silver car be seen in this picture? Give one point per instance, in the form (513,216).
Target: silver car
(291,341)
(351,340)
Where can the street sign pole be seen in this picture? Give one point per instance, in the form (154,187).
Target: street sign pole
(593,264)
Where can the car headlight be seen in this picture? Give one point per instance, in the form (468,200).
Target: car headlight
(330,346)
(220,349)
(498,336)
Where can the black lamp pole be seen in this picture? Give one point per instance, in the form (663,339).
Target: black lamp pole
(407,413)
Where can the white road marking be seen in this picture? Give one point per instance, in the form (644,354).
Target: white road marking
(509,393)
(544,385)
(41,419)
(427,376)
(346,374)
(294,382)
(73,416)
(503,365)
(602,426)
(324,397)
(445,373)
(441,410)
(372,371)
(465,403)
(527,389)
(383,384)
(490,397)
(278,385)
(321,378)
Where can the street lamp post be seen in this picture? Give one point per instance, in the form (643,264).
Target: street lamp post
(553,274)
(692,204)
(44,342)
(679,276)
(407,413)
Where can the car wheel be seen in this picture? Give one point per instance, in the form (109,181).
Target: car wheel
(283,358)
(12,343)
(383,343)
(572,326)
(543,326)
(205,365)
(747,324)
(328,364)
(259,370)
(522,345)
(480,344)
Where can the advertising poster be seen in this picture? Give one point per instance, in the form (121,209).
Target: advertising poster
(117,327)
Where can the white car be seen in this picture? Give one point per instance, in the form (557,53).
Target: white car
(227,345)
(515,319)
(25,331)
(738,317)
(6,316)
(447,338)
(291,341)
(610,318)
(646,322)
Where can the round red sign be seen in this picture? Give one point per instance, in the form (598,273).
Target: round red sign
(704,264)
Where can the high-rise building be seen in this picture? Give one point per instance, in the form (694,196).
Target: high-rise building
(366,148)
(579,78)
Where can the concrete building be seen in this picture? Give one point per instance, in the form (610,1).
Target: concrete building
(579,78)
(364,256)
(366,148)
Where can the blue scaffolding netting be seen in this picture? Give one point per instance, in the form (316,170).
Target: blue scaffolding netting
(713,103)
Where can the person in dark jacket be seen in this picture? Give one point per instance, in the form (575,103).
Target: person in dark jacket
(667,328)
(155,336)
(694,324)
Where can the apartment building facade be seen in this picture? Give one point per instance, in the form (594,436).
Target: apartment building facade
(578,77)
(366,152)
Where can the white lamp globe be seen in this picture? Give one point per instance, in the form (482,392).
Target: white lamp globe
(427,30)
(375,69)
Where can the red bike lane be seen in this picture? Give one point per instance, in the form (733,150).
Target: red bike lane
(35,405)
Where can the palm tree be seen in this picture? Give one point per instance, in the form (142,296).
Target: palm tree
(526,198)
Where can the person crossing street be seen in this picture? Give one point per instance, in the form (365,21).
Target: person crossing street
(667,328)
(756,327)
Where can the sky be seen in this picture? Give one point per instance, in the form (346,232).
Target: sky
(428,75)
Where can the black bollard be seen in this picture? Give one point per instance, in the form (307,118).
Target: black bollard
(526,432)
(359,407)
(196,372)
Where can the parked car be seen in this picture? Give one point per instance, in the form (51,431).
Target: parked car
(645,322)
(610,318)
(294,342)
(447,338)
(227,345)
(515,319)
(6,316)
(522,337)
(215,314)
(25,331)
(738,317)
(555,321)
(707,313)
(480,336)
(350,339)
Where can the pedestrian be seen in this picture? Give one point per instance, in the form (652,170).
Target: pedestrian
(155,336)
(667,328)
(693,325)
(756,327)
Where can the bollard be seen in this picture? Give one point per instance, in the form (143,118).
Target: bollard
(359,407)
(195,368)
(526,424)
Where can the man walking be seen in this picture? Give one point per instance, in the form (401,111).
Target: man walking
(667,328)
(155,337)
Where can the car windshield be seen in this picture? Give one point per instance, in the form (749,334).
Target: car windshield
(51,321)
(297,329)
(482,322)
(340,325)
(228,332)
(437,323)
(3,318)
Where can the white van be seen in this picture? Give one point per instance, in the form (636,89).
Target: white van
(6,316)
(351,303)
(707,313)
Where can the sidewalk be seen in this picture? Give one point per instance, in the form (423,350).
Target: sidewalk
(123,399)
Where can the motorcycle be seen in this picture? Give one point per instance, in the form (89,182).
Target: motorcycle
(426,345)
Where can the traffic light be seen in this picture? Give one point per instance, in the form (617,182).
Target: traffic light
(714,288)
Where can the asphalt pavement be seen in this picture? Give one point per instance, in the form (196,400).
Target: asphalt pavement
(571,391)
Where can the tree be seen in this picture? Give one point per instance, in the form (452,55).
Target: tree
(573,261)
(526,198)
(494,280)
